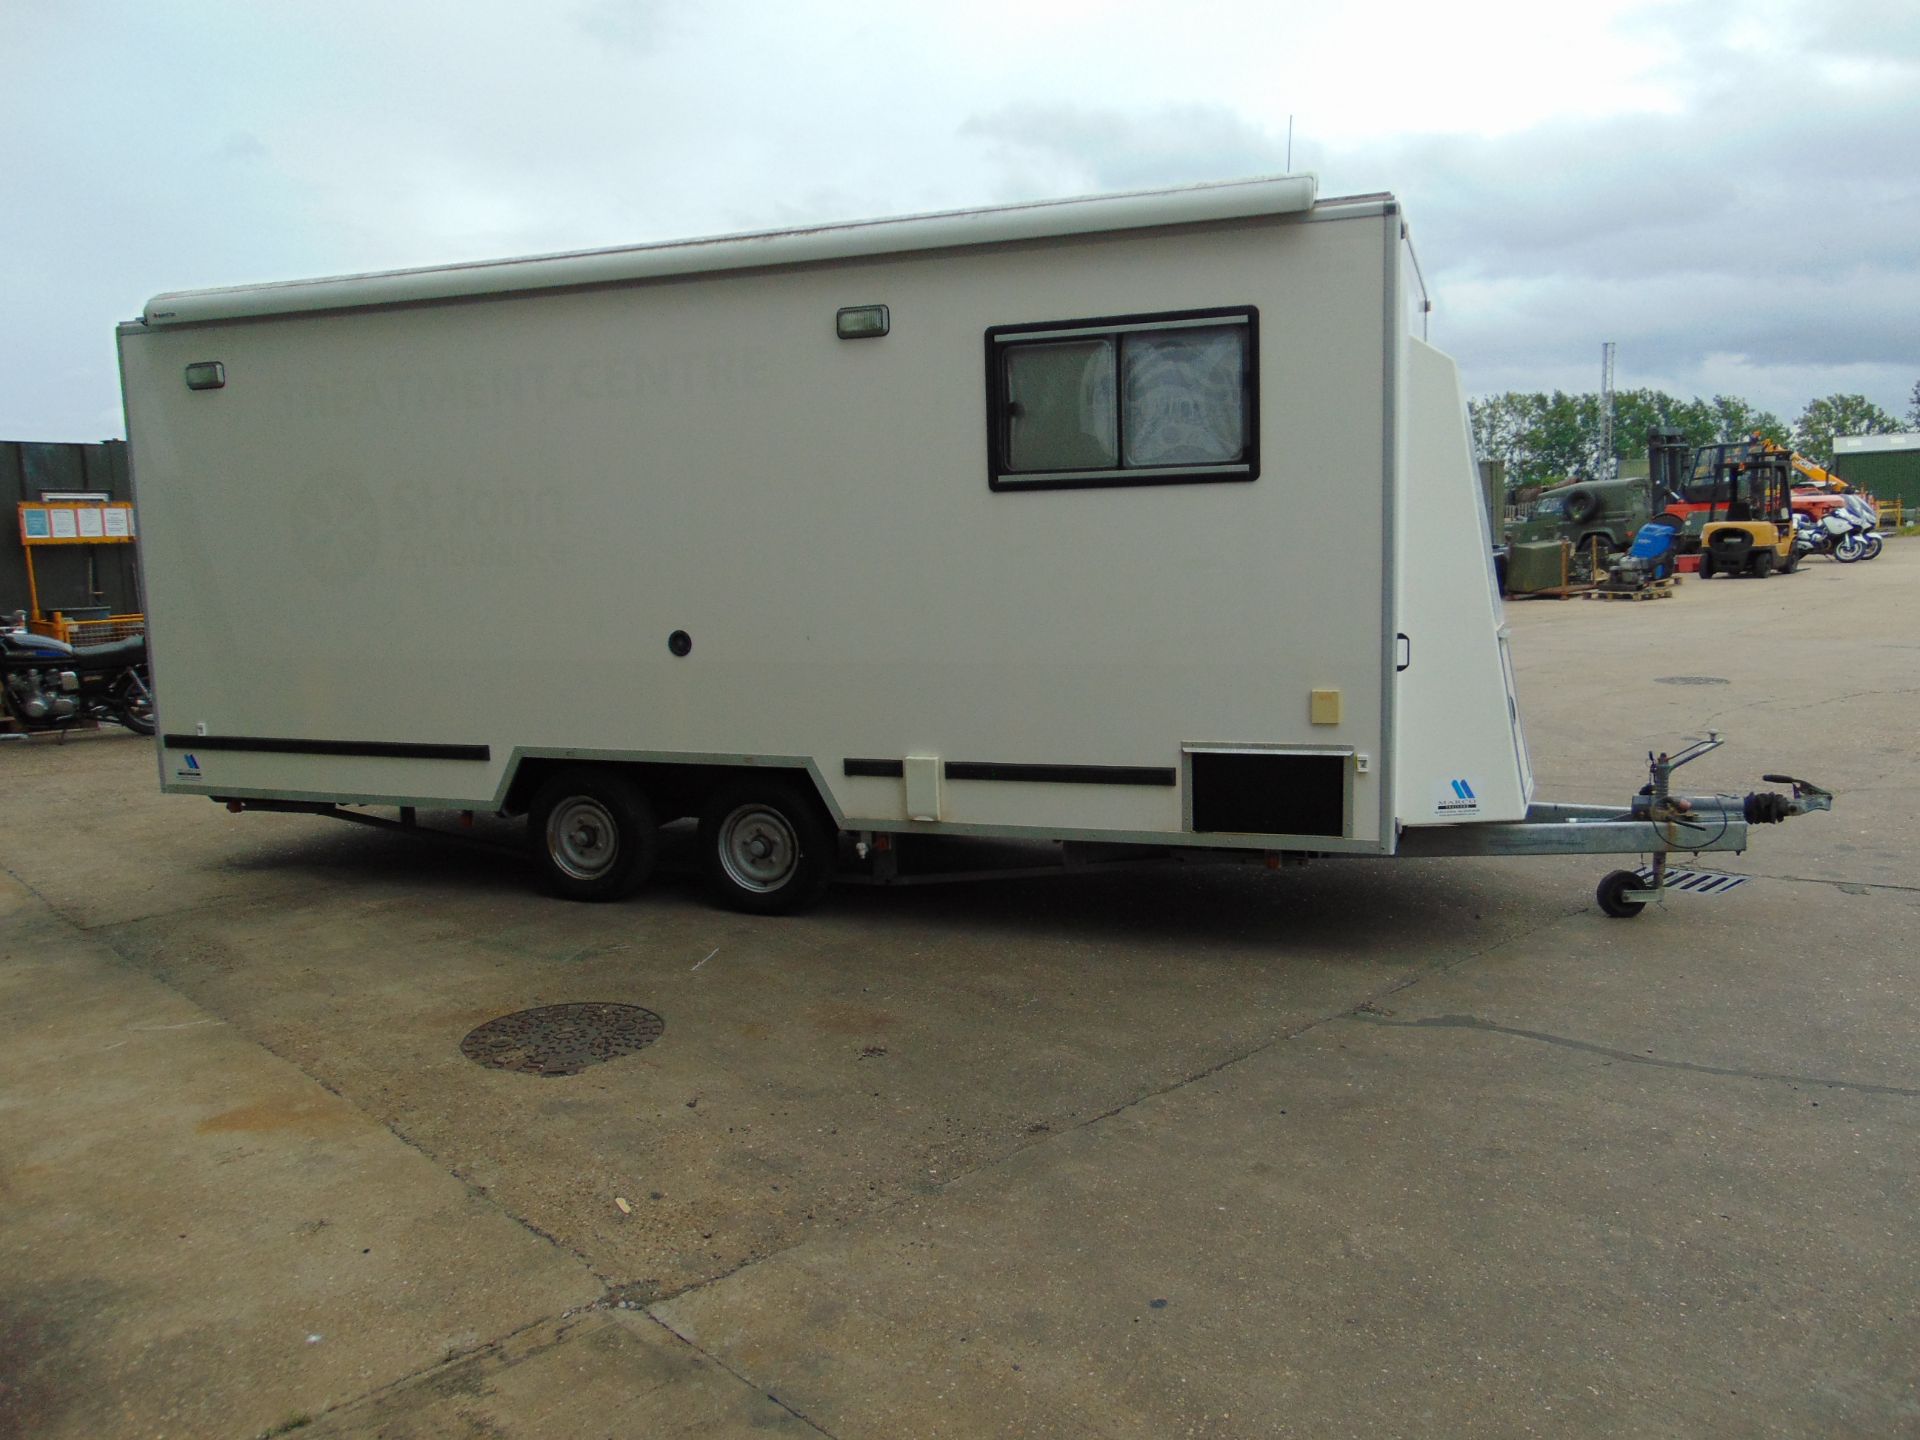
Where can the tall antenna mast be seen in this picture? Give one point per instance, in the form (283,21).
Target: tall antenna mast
(1609,466)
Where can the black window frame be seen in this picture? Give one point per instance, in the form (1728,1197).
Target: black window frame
(1002,478)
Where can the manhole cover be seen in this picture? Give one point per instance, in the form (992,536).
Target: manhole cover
(561,1039)
(1690,680)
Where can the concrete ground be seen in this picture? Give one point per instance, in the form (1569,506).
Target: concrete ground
(1368,1149)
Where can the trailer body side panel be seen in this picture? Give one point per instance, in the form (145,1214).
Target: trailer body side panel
(435,538)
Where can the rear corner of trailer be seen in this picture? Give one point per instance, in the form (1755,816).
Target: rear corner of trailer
(234,618)
(142,409)
(1459,752)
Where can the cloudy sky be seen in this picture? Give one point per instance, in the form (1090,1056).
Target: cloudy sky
(1728,190)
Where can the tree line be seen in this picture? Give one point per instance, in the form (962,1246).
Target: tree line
(1547,437)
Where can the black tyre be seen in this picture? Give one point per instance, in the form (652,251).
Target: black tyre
(593,835)
(1611,889)
(1874,546)
(1582,506)
(1706,565)
(1792,561)
(766,847)
(133,705)
(1762,564)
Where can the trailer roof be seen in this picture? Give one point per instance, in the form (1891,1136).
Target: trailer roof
(1132,210)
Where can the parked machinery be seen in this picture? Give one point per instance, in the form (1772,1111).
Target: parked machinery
(1669,474)
(1597,517)
(1749,526)
(1648,562)
(47,684)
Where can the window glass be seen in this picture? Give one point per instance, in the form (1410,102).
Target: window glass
(1060,410)
(1185,396)
(1162,399)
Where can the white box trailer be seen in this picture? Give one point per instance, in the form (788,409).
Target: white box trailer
(1010,522)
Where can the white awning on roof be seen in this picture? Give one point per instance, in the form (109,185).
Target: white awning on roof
(1192,204)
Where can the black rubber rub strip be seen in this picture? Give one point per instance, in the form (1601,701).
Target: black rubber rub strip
(1033,774)
(1062,774)
(379,749)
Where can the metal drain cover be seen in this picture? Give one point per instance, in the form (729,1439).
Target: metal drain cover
(562,1039)
(1690,680)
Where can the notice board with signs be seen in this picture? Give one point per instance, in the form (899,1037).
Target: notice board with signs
(77,522)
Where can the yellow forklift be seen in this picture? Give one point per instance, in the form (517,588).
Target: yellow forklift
(1749,522)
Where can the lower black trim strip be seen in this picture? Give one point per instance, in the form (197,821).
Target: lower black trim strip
(381,749)
(1062,774)
(880,769)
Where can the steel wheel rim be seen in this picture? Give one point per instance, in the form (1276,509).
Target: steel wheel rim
(759,848)
(583,838)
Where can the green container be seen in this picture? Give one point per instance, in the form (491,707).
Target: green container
(1534,565)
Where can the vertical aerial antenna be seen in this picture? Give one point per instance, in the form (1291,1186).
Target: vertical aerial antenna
(1289,144)
(1608,465)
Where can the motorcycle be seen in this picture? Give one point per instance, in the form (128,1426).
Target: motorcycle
(1844,534)
(46,684)
(1866,518)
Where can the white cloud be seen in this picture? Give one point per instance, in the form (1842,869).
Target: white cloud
(1725,189)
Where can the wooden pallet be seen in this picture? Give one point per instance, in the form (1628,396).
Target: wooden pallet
(1550,592)
(1658,590)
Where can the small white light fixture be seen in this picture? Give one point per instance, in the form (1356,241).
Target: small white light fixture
(206,375)
(861,322)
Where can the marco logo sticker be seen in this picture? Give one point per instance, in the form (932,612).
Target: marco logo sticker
(189,769)
(1454,798)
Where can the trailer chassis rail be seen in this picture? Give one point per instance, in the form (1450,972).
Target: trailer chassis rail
(1715,822)
(1656,822)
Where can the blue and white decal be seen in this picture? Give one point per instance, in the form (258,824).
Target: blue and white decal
(1454,799)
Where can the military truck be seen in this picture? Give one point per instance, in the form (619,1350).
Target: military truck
(1601,514)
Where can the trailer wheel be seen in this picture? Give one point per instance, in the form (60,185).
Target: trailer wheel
(593,835)
(1611,889)
(765,846)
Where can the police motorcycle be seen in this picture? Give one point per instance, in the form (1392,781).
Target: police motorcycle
(1843,533)
(47,684)
(1867,522)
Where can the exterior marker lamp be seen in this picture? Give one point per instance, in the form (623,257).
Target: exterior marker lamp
(861,322)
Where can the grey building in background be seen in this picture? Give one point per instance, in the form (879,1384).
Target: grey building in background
(72,577)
